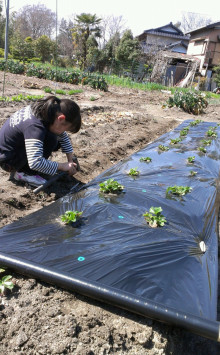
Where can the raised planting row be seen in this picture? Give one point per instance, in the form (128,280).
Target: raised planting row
(153,217)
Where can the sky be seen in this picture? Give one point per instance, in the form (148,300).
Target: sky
(138,15)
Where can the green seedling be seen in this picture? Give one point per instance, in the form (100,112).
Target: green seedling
(5,283)
(184,132)
(60,91)
(93,98)
(70,216)
(146,159)
(196,122)
(178,190)
(202,149)
(73,92)
(163,147)
(48,90)
(191,159)
(133,172)
(206,141)
(211,133)
(175,141)
(110,186)
(193,173)
(154,217)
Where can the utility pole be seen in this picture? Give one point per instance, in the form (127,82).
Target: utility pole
(6,30)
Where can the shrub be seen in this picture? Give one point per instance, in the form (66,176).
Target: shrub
(191,102)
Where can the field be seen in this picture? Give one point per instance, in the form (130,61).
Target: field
(37,318)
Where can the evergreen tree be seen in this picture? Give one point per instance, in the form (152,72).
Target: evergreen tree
(86,26)
(45,48)
(128,52)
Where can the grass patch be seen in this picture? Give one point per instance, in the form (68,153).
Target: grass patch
(73,92)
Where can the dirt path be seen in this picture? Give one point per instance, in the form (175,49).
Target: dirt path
(37,318)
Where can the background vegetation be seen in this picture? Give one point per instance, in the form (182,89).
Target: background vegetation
(83,45)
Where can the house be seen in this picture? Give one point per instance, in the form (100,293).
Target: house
(174,69)
(168,37)
(205,44)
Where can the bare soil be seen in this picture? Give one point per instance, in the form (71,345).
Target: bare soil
(37,318)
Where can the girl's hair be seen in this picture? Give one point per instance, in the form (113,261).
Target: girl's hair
(47,109)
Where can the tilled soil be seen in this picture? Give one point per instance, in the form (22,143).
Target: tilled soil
(37,318)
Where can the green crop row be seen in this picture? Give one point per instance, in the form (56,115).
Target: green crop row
(94,80)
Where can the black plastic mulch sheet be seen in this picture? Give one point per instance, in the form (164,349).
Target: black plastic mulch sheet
(115,247)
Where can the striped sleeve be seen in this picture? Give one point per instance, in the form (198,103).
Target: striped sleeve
(36,161)
(65,143)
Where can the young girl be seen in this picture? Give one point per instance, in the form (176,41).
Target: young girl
(30,135)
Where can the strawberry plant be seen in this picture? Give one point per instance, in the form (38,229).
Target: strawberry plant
(163,147)
(110,186)
(5,282)
(196,122)
(193,173)
(191,159)
(184,132)
(202,149)
(211,133)
(133,172)
(154,217)
(178,190)
(175,141)
(146,159)
(70,216)
(206,141)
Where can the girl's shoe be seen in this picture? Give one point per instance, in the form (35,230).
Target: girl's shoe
(33,180)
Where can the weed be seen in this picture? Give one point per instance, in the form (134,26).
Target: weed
(178,190)
(110,186)
(154,217)
(70,216)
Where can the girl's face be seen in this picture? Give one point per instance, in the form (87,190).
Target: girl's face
(60,125)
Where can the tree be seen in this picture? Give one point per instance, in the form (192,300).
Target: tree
(216,75)
(107,57)
(35,21)
(85,27)
(2,27)
(111,25)
(22,49)
(65,41)
(45,48)
(192,20)
(128,52)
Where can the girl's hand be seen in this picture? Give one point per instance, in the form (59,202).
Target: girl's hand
(69,167)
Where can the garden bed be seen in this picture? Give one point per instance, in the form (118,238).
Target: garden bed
(38,318)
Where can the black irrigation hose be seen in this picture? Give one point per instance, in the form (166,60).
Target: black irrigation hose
(201,326)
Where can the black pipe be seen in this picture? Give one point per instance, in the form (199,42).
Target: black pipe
(201,326)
